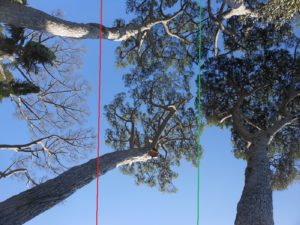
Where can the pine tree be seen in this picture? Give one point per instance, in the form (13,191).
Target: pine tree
(256,93)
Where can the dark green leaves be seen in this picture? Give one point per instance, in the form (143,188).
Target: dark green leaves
(145,116)
(35,53)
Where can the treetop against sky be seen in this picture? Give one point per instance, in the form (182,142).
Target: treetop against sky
(155,112)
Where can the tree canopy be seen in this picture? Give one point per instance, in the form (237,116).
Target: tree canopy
(159,113)
(250,84)
(152,126)
(37,76)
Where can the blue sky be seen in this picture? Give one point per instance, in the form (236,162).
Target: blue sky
(121,201)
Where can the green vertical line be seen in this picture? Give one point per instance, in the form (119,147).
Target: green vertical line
(199,112)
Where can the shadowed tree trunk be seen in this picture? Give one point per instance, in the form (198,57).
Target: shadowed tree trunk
(24,206)
(255,206)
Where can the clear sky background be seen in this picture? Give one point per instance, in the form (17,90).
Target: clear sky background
(121,201)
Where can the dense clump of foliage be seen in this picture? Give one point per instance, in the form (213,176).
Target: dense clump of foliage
(162,62)
(28,53)
(156,110)
(17,88)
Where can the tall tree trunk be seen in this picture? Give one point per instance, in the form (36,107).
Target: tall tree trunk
(255,206)
(22,207)
(27,17)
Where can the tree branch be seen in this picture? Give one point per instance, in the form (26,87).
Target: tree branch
(280,124)
(24,206)
(12,172)
(225,118)
(238,10)
(19,147)
(218,21)
(292,93)
(167,30)
(27,17)
(172,111)
(237,118)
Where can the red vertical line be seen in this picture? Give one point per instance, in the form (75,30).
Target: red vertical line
(99,113)
(199,110)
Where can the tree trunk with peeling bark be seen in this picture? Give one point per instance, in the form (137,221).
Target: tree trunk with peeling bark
(22,207)
(255,206)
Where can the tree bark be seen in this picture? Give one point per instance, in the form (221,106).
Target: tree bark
(27,17)
(256,206)
(24,206)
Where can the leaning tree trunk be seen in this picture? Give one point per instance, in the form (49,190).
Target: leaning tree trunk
(255,206)
(22,207)
(24,16)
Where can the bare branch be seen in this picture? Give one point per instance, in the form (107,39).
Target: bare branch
(162,126)
(253,125)
(165,25)
(216,48)
(239,11)
(12,172)
(218,22)
(281,124)
(225,118)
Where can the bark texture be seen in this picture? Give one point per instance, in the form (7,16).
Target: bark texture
(27,17)
(22,207)
(256,206)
